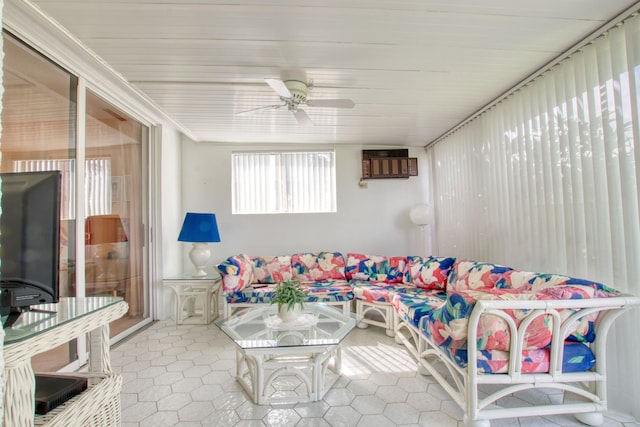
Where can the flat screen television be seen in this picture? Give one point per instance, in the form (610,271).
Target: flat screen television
(29,241)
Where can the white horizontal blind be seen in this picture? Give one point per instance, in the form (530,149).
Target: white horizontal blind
(549,180)
(283,182)
(97,183)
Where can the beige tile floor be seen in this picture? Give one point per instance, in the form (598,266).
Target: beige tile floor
(184,376)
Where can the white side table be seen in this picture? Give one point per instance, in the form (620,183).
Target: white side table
(196,298)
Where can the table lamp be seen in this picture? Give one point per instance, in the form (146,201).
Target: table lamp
(199,229)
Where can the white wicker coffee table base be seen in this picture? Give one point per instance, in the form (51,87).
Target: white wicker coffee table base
(311,370)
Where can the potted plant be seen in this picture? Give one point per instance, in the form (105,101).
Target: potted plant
(290,298)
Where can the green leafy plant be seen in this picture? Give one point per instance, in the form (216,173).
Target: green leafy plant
(288,293)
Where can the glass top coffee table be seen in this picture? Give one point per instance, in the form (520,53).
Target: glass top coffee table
(281,362)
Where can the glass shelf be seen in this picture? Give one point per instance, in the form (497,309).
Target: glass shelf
(190,276)
(49,316)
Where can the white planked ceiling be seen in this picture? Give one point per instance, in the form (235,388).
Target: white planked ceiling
(414,68)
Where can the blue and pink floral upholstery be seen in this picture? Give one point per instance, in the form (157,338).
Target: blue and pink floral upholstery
(446,326)
(271,269)
(379,292)
(375,268)
(576,358)
(413,306)
(329,291)
(324,291)
(375,278)
(435,295)
(318,266)
(252,279)
(428,272)
(250,294)
(236,272)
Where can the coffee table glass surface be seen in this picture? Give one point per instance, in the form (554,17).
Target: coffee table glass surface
(260,327)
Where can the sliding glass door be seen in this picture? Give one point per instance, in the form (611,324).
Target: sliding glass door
(103,205)
(114,208)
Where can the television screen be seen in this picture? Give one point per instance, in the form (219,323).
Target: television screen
(29,240)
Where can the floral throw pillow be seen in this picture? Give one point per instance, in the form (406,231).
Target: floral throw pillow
(236,272)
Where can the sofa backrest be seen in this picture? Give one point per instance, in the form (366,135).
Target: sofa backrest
(428,272)
(467,275)
(317,266)
(375,268)
(272,269)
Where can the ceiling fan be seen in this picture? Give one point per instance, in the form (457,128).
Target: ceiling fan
(293,94)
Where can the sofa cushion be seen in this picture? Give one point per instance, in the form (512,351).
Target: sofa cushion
(412,305)
(540,281)
(317,266)
(428,273)
(236,272)
(448,325)
(389,269)
(377,291)
(323,291)
(271,269)
(479,276)
(328,291)
(576,358)
(251,294)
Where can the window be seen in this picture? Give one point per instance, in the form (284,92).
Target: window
(283,182)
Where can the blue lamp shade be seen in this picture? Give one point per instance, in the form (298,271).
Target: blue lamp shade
(199,227)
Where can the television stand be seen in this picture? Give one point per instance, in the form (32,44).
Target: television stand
(99,405)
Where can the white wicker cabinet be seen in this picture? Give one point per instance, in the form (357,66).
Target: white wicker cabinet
(35,333)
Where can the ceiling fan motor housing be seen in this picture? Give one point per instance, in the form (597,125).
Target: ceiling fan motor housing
(298,91)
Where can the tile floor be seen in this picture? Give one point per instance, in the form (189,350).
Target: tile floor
(184,376)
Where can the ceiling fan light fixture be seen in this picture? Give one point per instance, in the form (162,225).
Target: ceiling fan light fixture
(298,90)
(293,94)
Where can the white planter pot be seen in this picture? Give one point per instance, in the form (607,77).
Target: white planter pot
(288,315)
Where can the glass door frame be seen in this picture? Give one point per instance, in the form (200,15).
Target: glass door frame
(37,32)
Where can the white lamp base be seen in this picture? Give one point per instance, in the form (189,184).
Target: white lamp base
(199,255)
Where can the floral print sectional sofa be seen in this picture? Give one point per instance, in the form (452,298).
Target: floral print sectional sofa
(248,280)
(483,331)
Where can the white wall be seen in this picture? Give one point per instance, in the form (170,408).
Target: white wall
(168,200)
(374,220)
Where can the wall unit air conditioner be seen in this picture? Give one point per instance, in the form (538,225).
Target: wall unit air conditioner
(396,163)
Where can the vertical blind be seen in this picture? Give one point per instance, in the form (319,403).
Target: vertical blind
(548,179)
(97,183)
(283,182)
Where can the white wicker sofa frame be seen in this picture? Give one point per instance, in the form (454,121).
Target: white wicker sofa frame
(479,394)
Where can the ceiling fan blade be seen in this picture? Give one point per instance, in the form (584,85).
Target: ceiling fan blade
(302,118)
(279,87)
(333,103)
(273,107)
